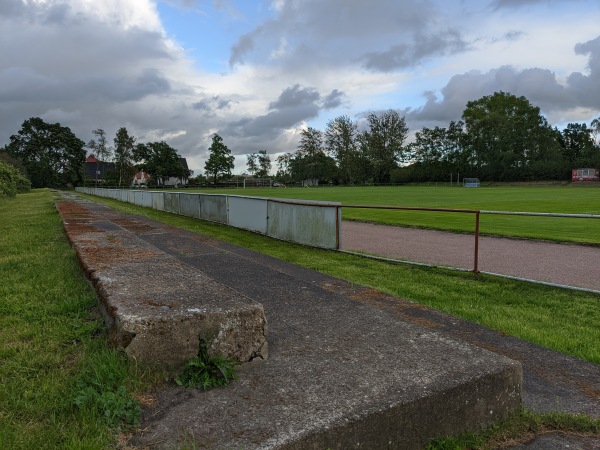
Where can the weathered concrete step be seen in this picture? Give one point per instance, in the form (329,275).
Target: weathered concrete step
(340,374)
(156,307)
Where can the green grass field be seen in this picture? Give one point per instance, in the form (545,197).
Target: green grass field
(547,199)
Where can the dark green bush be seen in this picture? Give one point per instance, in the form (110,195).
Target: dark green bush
(11,181)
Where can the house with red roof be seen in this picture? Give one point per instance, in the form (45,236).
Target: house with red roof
(96,169)
(141,178)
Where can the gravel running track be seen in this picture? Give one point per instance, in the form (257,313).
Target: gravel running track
(565,264)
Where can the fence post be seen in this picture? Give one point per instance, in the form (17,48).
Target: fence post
(476,256)
(337,227)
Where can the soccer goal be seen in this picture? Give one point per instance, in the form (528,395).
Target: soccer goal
(257,182)
(470,182)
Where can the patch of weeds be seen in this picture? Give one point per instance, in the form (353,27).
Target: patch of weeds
(454,444)
(206,371)
(117,408)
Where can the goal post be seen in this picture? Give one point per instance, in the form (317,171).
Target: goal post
(470,182)
(257,182)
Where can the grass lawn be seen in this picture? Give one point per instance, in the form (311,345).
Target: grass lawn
(557,199)
(61,386)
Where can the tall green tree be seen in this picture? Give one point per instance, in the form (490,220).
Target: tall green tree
(508,137)
(341,144)
(259,164)
(578,146)
(252,163)
(100,149)
(318,167)
(383,143)
(438,154)
(548,163)
(99,145)
(311,142)
(160,160)
(220,162)
(456,149)
(310,161)
(595,126)
(429,154)
(428,147)
(284,167)
(305,164)
(264,164)
(51,153)
(124,148)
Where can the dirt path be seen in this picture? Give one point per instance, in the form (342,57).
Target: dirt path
(566,264)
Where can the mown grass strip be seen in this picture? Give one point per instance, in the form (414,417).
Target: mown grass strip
(559,319)
(61,387)
(548,199)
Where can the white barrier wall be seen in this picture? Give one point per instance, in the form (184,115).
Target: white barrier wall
(214,208)
(249,213)
(306,222)
(189,205)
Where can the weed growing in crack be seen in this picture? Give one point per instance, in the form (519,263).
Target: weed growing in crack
(206,371)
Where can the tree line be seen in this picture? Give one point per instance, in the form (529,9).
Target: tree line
(500,137)
(50,155)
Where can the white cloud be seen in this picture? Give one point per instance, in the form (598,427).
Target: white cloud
(111,63)
(281,51)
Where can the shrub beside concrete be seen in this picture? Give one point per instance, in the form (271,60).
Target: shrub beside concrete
(11,181)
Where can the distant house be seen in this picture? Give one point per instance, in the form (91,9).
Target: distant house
(585,175)
(96,169)
(140,178)
(182,180)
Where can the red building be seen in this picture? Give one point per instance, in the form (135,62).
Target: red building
(585,175)
(96,169)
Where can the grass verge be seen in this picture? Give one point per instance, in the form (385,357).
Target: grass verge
(519,429)
(559,319)
(62,387)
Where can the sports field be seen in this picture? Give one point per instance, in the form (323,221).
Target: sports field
(547,199)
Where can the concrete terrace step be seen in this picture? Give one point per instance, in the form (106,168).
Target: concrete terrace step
(340,373)
(156,307)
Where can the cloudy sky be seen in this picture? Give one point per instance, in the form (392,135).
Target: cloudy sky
(258,71)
